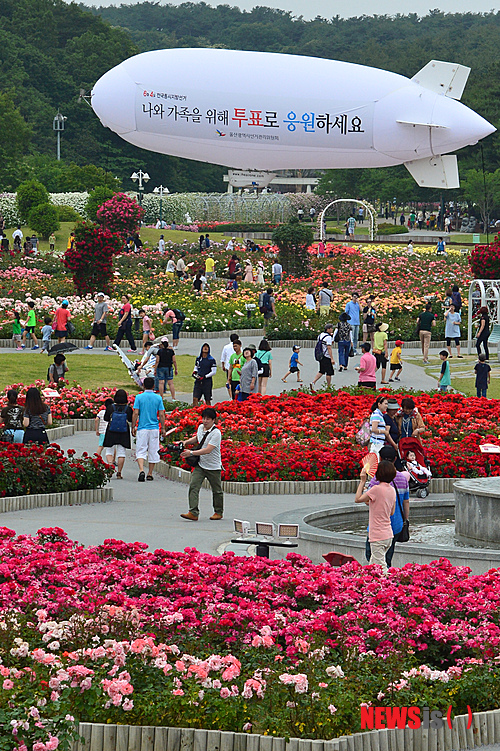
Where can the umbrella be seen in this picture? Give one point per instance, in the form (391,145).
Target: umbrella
(131,369)
(64,347)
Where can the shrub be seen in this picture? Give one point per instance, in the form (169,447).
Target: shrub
(391,229)
(121,215)
(30,194)
(67,214)
(293,240)
(95,200)
(91,260)
(485,260)
(43,219)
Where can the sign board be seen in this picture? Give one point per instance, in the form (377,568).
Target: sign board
(250,179)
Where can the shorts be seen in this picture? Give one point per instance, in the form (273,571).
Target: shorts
(30,329)
(203,389)
(368,384)
(45,345)
(101,439)
(147,443)
(381,360)
(456,340)
(61,334)
(326,366)
(442,388)
(145,333)
(119,450)
(294,369)
(233,385)
(164,374)
(396,366)
(99,329)
(16,337)
(324,310)
(265,370)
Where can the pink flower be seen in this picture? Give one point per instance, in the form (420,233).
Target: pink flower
(8,684)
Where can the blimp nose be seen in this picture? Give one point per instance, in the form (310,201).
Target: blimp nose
(460,126)
(113,98)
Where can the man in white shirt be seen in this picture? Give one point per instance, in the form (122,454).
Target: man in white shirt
(277,273)
(180,267)
(230,245)
(208,438)
(227,351)
(327,363)
(161,245)
(18,233)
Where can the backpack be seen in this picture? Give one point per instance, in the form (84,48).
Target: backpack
(264,306)
(118,422)
(179,314)
(260,365)
(364,433)
(318,349)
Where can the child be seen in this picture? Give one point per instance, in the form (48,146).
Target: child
(444,379)
(483,376)
(396,361)
(57,370)
(418,469)
(12,419)
(52,242)
(17,330)
(294,364)
(46,334)
(147,329)
(101,425)
(30,326)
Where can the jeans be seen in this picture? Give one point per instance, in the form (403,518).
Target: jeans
(277,279)
(388,555)
(165,374)
(355,335)
(443,388)
(484,340)
(481,392)
(214,478)
(125,331)
(344,349)
(176,328)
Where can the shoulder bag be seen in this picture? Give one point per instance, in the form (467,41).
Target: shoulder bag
(404,535)
(194,460)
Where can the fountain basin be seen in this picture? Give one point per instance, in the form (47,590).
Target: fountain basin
(477,510)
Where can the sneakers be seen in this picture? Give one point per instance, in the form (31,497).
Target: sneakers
(397,379)
(23,346)
(89,347)
(216,517)
(19,349)
(189,516)
(106,349)
(426,362)
(142,477)
(131,350)
(35,347)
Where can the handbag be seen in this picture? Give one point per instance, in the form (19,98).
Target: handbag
(404,535)
(364,434)
(351,351)
(70,328)
(194,460)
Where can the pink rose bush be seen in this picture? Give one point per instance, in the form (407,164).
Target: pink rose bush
(117,633)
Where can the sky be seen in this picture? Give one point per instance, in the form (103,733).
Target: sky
(329,8)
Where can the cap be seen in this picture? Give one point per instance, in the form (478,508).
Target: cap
(398,343)
(392,403)
(100,294)
(388,453)
(164,339)
(65,302)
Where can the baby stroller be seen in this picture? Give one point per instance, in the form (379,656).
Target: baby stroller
(417,482)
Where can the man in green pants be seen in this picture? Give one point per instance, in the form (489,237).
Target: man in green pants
(208,440)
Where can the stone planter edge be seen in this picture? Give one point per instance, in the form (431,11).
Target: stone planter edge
(44,500)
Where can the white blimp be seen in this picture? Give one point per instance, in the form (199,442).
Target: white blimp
(266,111)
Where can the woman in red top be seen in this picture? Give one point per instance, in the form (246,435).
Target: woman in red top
(125,324)
(60,322)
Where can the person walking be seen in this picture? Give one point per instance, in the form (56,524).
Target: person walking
(30,326)
(294,364)
(101,311)
(165,366)
(60,323)
(264,355)
(170,270)
(260,273)
(409,420)
(118,415)
(381,502)
(227,351)
(236,361)
(343,337)
(327,363)
(483,377)
(148,418)
(483,332)
(425,322)
(369,315)
(353,310)
(381,350)
(249,376)
(367,368)
(208,441)
(452,329)
(277,272)
(325,298)
(36,418)
(204,370)
(125,324)
(267,305)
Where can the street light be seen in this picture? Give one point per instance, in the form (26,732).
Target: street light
(161,190)
(58,125)
(140,176)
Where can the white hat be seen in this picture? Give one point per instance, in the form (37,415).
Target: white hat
(100,294)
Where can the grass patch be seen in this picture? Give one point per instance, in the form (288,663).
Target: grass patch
(91,371)
(463,378)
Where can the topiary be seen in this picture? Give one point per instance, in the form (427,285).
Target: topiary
(121,215)
(91,259)
(293,239)
(484,260)
(95,200)
(43,219)
(30,194)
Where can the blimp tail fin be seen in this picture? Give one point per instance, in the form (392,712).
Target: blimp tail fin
(435,172)
(443,78)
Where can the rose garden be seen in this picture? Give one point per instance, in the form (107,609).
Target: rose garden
(117,633)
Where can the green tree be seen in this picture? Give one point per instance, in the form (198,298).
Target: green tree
(44,219)
(30,194)
(97,197)
(293,239)
(14,138)
(482,190)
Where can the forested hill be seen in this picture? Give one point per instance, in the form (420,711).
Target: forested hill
(402,44)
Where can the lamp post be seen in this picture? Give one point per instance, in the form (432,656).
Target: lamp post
(58,125)
(160,190)
(141,177)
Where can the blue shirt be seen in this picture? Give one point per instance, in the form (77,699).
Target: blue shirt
(149,404)
(294,360)
(353,309)
(46,332)
(403,491)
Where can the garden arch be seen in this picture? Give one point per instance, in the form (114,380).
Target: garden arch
(483,293)
(368,208)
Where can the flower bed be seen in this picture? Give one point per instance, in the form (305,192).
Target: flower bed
(304,436)
(116,634)
(73,402)
(29,468)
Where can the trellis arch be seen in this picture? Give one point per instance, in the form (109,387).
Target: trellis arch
(347,200)
(483,293)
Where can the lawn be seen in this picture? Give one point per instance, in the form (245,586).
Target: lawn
(90,371)
(462,373)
